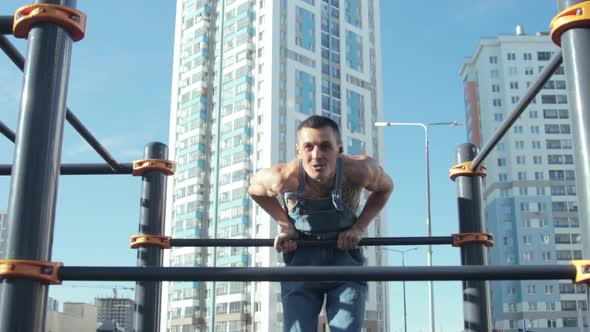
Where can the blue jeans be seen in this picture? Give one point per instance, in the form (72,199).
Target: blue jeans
(302,301)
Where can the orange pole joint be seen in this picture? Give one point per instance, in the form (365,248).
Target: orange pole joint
(145,240)
(582,271)
(461,239)
(576,16)
(464,169)
(72,20)
(46,272)
(141,166)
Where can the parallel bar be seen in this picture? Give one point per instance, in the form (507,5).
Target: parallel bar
(318,273)
(476,294)
(19,61)
(379,241)
(34,183)
(12,53)
(81,169)
(7,132)
(6,25)
(520,107)
(151,221)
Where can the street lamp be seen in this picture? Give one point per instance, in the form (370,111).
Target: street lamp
(403,252)
(426,127)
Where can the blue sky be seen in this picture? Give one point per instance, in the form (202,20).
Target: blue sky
(120,88)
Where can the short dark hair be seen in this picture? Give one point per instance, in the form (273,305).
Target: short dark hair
(318,121)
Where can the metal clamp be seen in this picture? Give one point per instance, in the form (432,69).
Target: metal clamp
(573,17)
(74,21)
(582,271)
(36,270)
(144,240)
(465,169)
(140,166)
(461,239)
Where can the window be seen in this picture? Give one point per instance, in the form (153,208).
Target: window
(497,102)
(511,56)
(495,87)
(513,85)
(537,160)
(521,160)
(543,56)
(493,60)
(527,56)
(498,117)
(501,162)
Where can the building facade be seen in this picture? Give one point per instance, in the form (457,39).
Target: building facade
(76,317)
(120,310)
(529,192)
(245,74)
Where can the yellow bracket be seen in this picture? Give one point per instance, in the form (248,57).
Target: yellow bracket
(144,240)
(26,269)
(573,17)
(465,169)
(165,166)
(582,271)
(72,20)
(461,239)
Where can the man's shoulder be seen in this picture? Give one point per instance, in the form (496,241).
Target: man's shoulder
(284,176)
(357,168)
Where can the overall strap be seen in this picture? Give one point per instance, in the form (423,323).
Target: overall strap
(301,187)
(337,193)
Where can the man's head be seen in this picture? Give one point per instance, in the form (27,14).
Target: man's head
(318,145)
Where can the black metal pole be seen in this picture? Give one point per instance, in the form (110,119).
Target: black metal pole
(575,46)
(318,273)
(7,132)
(34,181)
(476,303)
(375,241)
(520,107)
(19,61)
(81,169)
(6,25)
(151,221)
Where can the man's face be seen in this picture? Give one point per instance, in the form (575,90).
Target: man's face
(319,150)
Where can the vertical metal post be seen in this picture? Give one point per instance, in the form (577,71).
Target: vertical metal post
(575,47)
(476,304)
(35,172)
(429,228)
(151,221)
(404,290)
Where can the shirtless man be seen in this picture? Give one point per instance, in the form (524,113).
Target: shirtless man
(321,190)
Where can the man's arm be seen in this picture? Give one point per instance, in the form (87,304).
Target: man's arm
(264,187)
(381,186)
(375,180)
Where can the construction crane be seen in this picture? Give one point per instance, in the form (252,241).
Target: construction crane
(113,287)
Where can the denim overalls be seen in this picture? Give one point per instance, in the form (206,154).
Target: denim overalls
(322,218)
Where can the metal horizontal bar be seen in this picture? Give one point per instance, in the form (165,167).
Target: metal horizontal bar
(7,132)
(6,25)
(82,169)
(379,241)
(318,273)
(520,107)
(19,61)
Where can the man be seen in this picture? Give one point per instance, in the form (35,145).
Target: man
(320,190)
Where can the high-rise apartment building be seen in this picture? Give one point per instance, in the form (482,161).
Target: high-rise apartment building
(120,310)
(530,193)
(245,74)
